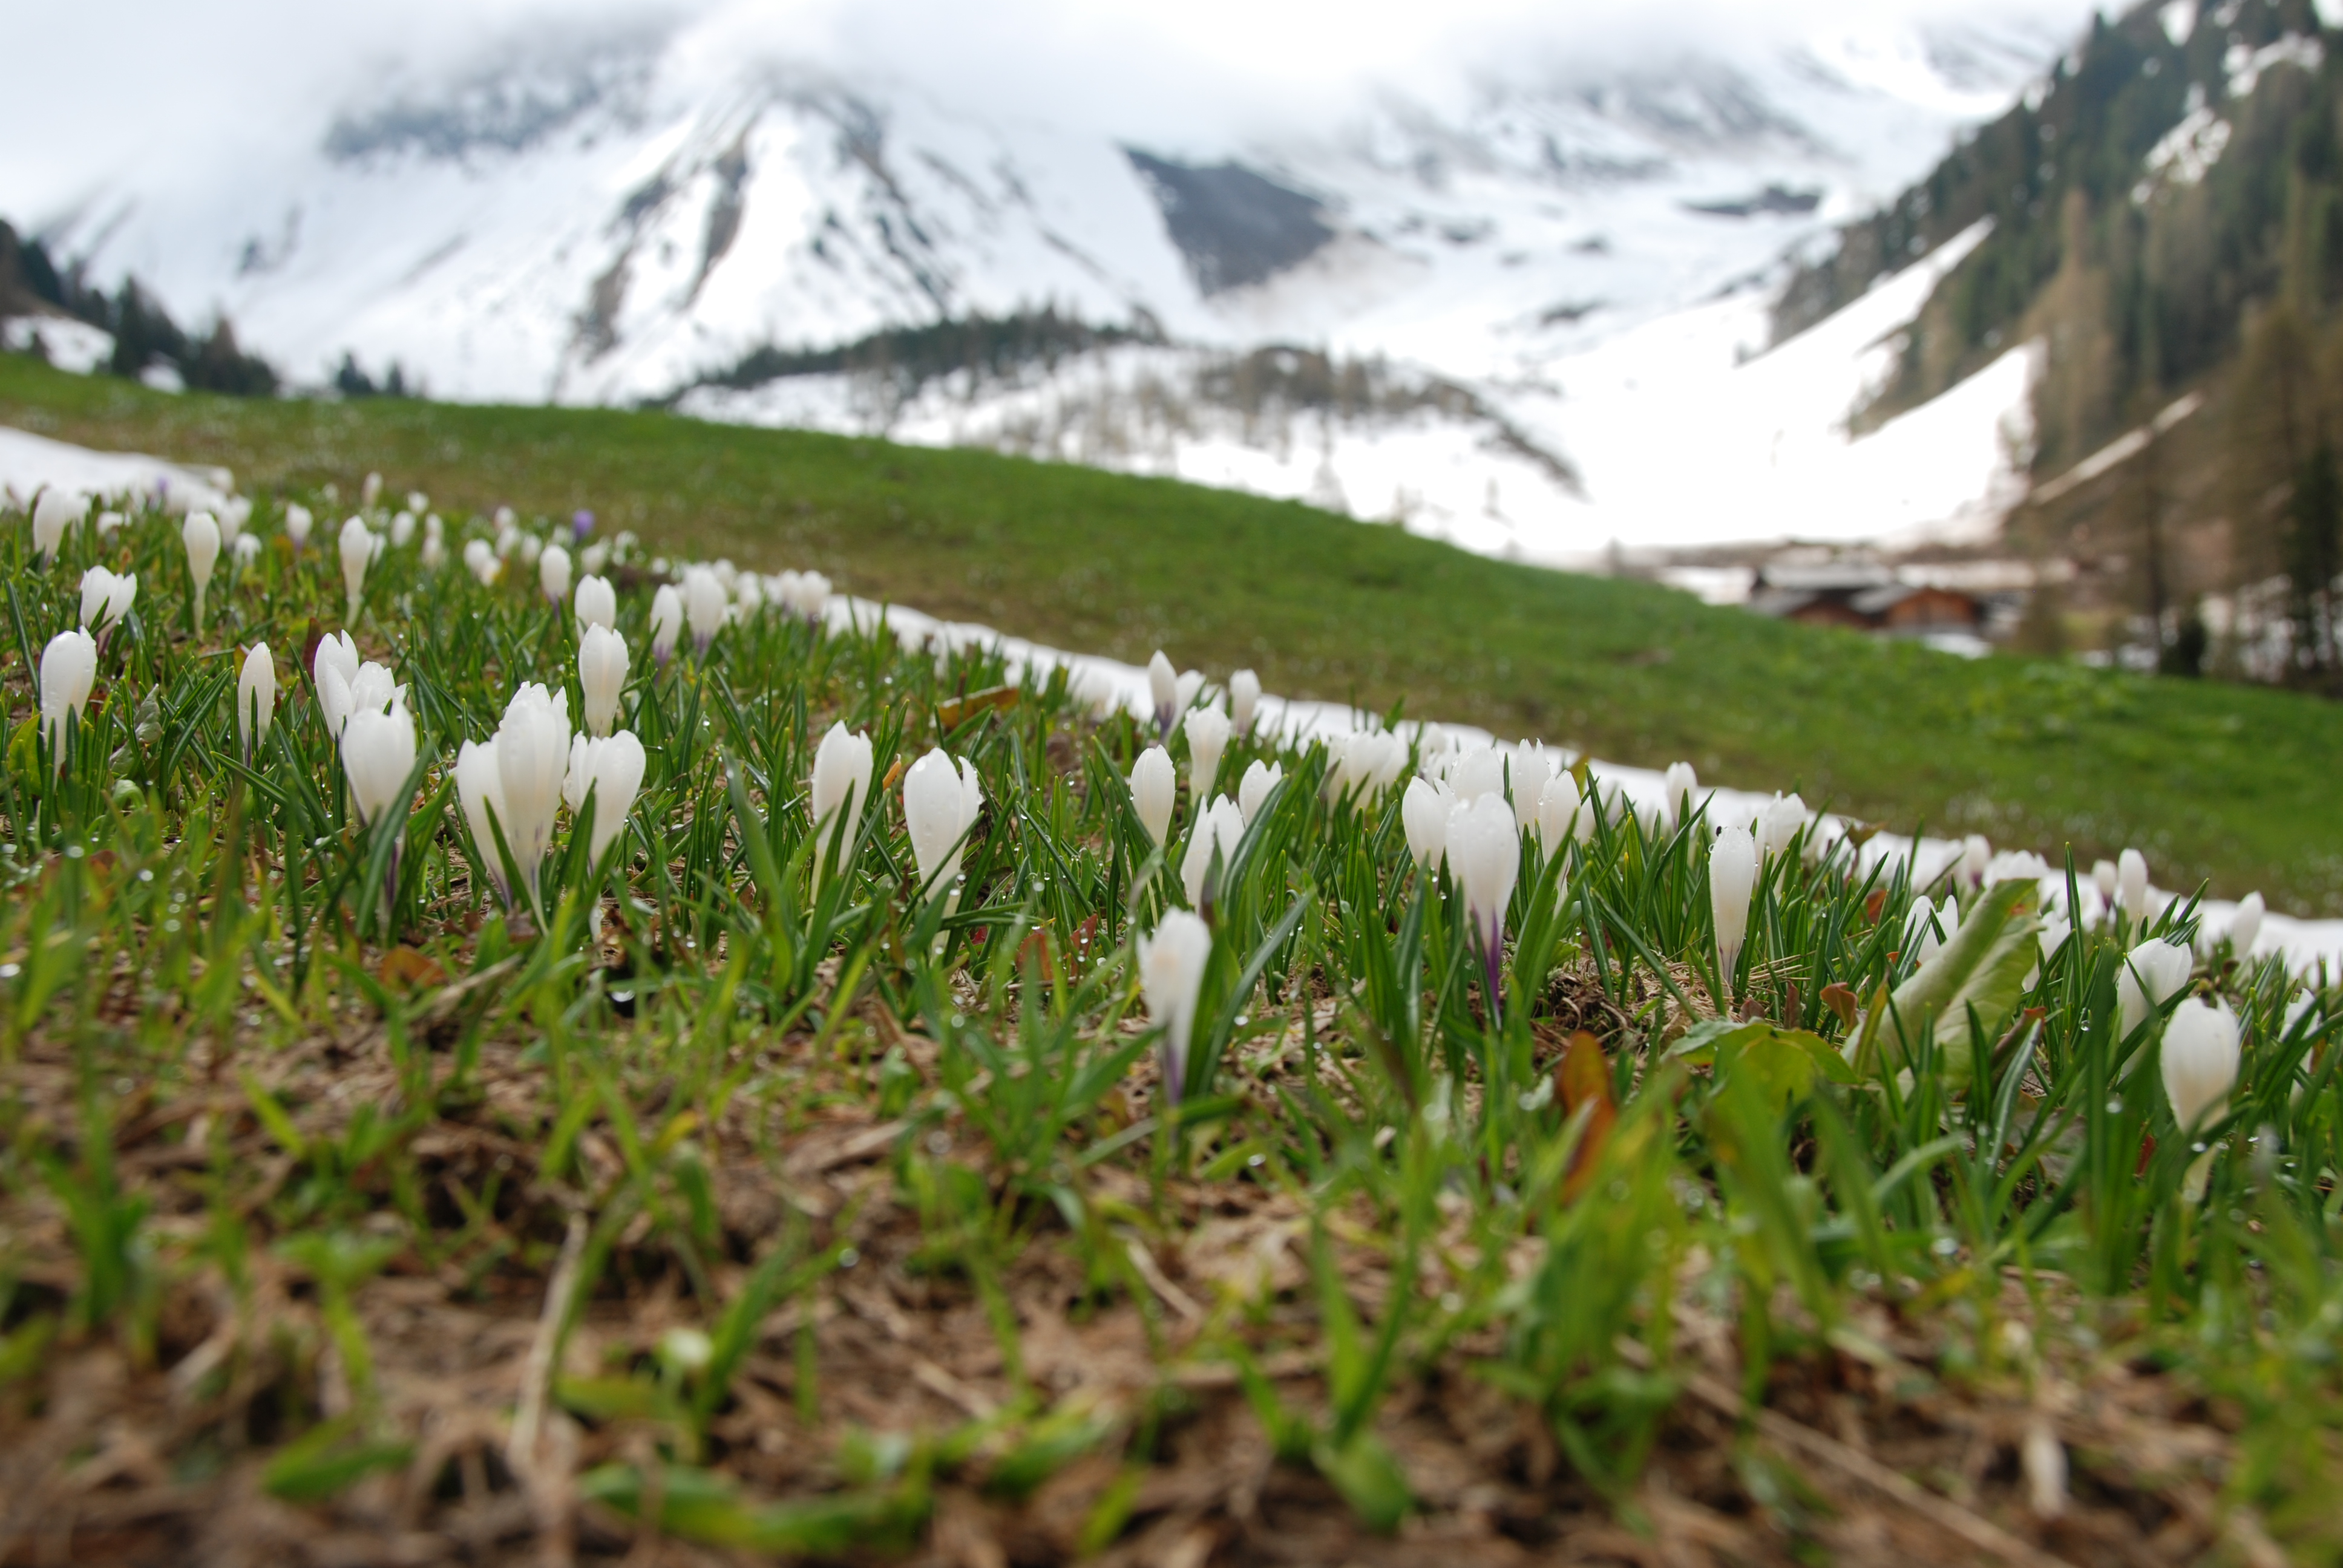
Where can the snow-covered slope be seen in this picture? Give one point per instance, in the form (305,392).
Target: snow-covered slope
(1560,269)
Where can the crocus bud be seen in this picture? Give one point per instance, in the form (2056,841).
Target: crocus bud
(666,621)
(56,511)
(377,755)
(255,697)
(1171,975)
(332,668)
(940,801)
(1153,787)
(553,573)
(839,786)
(1679,785)
(434,554)
(233,513)
(1528,770)
(749,595)
(1163,690)
(480,787)
(402,528)
(482,561)
(1976,854)
(1484,855)
(607,773)
(532,765)
(370,491)
(598,603)
(2104,877)
(68,670)
(1921,939)
(1424,811)
(1477,773)
(201,535)
(1208,737)
(704,604)
(2153,973)
(1561,813)
(1784,815)
(1732,879)
(1245,701)
(108,523)
(1252,789)
(357,553)
(2131,884)
(2201,1052)
(601,676)
(1220,828)
(105,597)
(2246,926)
(298,523)
(245,549)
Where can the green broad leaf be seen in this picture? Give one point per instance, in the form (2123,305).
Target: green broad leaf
(1982,969)
(1368,1479)
(1782,1064)
(613,1398)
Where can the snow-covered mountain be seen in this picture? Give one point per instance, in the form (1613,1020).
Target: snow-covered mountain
(1528,314)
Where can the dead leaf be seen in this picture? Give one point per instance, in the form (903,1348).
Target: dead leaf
(956,711)
(1583,1077)
(403,966)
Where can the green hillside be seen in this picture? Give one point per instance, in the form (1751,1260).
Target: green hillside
(2212,781)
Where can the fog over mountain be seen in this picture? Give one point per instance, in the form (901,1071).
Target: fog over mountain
(1486,274)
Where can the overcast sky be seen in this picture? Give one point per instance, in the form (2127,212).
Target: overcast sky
(95,86)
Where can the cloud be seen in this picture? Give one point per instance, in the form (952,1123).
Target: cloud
(177,90)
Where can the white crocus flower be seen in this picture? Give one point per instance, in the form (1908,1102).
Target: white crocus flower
(2246,926)
(1921,939)
(402,528)
(1252,789)
(704,604)
(1221,827)
(332,668)
(482,561)
(479,788)
(1245,701)
(1154,787)
(1528,769)
(749,595)
(255,697)
(68,670)
(298,523)
(370,491)
(666,621)
(246,550)
(1208,738)
(1680,784)
(2200,1056)
(553,573)
(1478,772)
(357,553)
(1779,822)
(1171,975)
(2131,885)
(601,676)
(201,535)
(608,773)
(1423,810)
(594,558)
(109,523)
(377,757)
(596,603)
(1976,854)
(532,765)
(56,511)
(2153,973)
(1732,879)
(105,597)
(1484,855)
(1163,691)
(1560,812)
(434,554)
(940,801)
(836,793)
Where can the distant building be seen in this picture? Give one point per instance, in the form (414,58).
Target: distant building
(1863,598)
